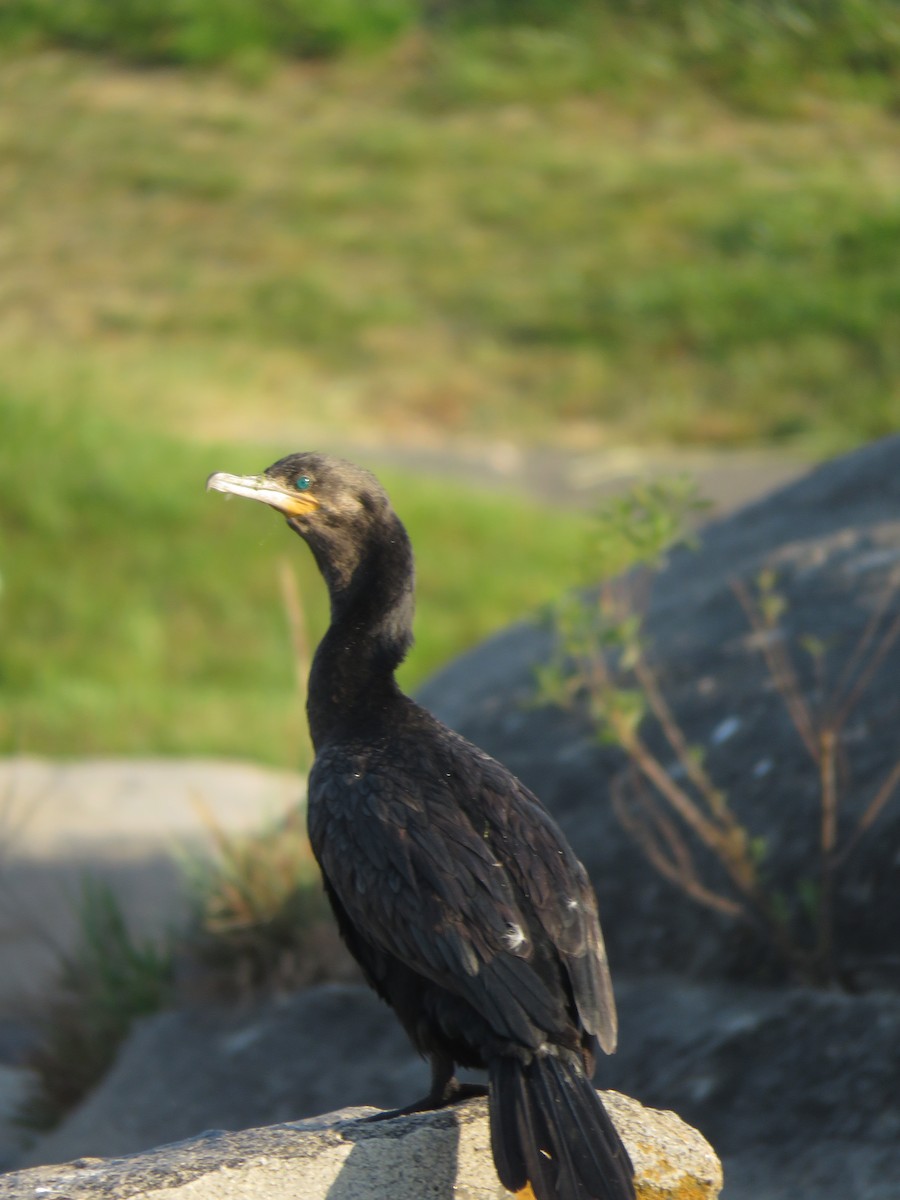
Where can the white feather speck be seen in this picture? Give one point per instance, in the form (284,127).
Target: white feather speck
(514,937)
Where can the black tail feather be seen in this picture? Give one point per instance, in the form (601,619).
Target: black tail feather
(549,1129)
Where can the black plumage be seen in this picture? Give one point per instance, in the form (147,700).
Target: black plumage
(453,887)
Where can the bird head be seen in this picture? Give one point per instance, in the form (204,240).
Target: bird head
(308,489)
(337,507)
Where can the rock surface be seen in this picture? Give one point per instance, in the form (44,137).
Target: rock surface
(125,821)
(795,1089)
(15,1086)
(342,1158)
(181,1072)
(728,478)
(834,540)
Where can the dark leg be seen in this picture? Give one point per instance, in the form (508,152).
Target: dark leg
(445,1090)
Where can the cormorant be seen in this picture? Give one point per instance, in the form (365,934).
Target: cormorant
(452,886)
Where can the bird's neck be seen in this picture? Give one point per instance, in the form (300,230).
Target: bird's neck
(351,683)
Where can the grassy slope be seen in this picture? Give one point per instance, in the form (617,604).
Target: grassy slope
(139,614)
(385,244)
(481,238)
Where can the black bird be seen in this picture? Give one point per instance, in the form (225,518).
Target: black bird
(452,886)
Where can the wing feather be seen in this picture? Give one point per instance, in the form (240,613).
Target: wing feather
(461,874)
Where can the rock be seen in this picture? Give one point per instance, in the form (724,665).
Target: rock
(56,810)
(550,475)
(796,1088)
(15,1083)
(788,1085)
(834,540)
(124,821)
(178,1073)
(342,1158)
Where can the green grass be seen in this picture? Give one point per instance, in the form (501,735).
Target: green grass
(476,234)
(754,55)
(139,614)
(369,246)
(201,32)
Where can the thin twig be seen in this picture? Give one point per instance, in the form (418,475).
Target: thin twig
(868,674)
(827,841)
(781,669)
(293,607)
(871,813)
(859,651)
(678,798)
(721,841)
(676,739)
(829,795)
(675,869)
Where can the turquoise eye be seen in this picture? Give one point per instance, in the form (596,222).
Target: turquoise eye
(302,482)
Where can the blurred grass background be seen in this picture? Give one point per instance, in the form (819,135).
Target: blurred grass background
(141,615)
(234,229)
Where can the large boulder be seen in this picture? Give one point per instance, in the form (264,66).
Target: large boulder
(833,539)
(340,1157)
(795,1089)
(230,1067)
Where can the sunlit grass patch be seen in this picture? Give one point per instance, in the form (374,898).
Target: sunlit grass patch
(324,252)
(141,615)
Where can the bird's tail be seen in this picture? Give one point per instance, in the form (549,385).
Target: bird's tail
(551,1133)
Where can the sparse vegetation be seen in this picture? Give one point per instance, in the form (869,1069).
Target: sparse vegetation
(260,923)
(803,924)
(109,979)
(263,922)
(604,665)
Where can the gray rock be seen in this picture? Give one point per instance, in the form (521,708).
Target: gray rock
(15,1084)
(126,822)
(834,540)
(796,1089)
(182,1072)
(341,1158)
(787,1085)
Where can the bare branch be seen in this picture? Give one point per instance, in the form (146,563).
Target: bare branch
(859,650)
(872,812)
(677,869)
(293,607)
(676,739)
(729,844)
(828,792)
(868,674)
(781,669)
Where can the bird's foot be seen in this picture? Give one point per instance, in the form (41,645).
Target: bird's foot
(452,1093)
